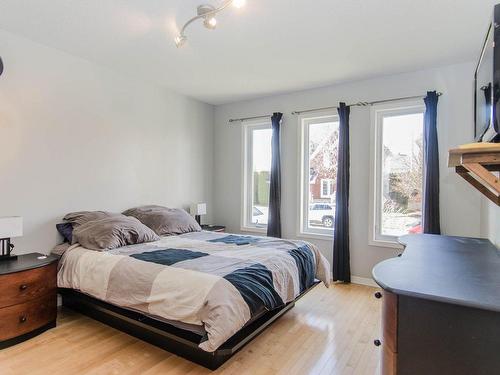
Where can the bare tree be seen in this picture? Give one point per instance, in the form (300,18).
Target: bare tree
(325,163)
(408,184)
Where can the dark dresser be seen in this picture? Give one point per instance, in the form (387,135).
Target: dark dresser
(440,307)
(28,297)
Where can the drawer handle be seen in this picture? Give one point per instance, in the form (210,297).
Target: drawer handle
(22,319)
(23,287)
(378,295)
(377,342)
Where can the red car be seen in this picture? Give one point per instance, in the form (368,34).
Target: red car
(416,229)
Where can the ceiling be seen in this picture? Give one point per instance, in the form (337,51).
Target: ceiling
(267,47)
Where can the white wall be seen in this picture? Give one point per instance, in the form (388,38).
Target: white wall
(490,221)
(75,136)
(460,204)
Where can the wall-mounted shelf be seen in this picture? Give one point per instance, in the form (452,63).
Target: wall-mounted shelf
(479,164)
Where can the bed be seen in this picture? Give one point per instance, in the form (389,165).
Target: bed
(201,295)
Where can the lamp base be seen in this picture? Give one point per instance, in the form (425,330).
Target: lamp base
(7,257)
(6,249)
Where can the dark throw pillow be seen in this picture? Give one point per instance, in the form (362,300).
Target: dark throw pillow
(65,230)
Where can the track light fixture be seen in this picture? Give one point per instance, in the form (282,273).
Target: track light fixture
(180,40)
(206,12)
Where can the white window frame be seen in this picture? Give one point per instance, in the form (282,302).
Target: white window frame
(304,175)
(247,177)
(329,183)
(377,113)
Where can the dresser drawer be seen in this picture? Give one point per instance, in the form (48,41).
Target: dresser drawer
(23,318)
(390,321)
(388,365)
(20,287)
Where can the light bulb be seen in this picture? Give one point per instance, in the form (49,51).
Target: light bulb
(239,3)
(180,40)
(210,23)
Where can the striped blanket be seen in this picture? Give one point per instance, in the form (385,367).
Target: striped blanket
(215,280)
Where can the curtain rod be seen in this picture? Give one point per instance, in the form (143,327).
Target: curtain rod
(364,104)
(248,118)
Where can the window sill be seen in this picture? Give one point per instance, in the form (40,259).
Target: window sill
(386,243)
(254,230)
(316,236)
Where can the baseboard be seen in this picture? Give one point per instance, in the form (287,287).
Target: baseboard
(363,281)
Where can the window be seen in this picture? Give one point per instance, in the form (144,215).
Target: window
(319,144)
(327,187)
(256,175)
(397,172)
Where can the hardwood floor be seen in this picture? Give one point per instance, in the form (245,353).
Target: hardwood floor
(329,331)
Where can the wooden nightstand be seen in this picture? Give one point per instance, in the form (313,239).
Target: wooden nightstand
(214,228)
(28,297)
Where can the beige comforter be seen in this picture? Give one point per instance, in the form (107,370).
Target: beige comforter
(203,278)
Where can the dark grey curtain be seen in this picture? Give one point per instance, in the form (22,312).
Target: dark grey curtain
(341,257)
(430,215)
(274,220)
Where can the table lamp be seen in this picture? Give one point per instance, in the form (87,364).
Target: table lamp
(198,209)
(11,226)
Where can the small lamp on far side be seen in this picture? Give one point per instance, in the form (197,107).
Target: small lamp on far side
(198,209)
(10,226)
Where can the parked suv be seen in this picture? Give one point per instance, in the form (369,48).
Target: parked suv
(323,213)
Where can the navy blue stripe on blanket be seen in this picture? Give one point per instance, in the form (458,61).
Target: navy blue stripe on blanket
(255,284)
(236,240)
(168,257)
(304,259)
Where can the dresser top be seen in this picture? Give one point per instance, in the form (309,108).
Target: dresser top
(26,262)
(458,270)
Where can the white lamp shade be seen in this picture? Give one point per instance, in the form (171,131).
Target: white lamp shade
(11,226)
(198,209)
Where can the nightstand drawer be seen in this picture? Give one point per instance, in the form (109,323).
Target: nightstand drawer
(20,287)
(26,317)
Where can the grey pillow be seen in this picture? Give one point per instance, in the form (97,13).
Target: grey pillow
(112,232)
(165,221)
(81,217)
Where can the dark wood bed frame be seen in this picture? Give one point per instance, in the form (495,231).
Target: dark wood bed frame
(175,340)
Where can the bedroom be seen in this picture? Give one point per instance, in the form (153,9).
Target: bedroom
(101,111)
